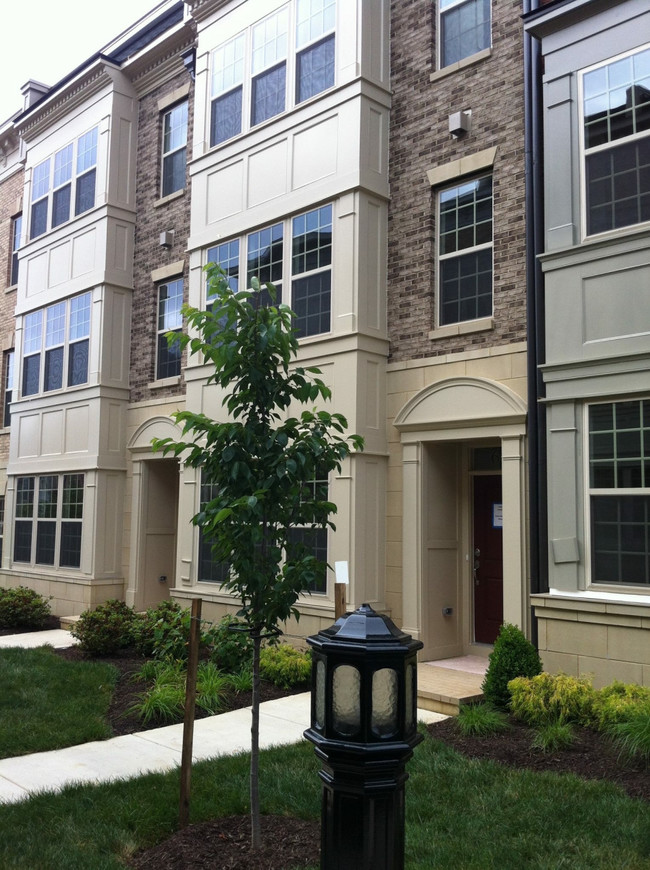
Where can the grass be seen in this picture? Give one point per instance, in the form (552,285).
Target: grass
(481,720)
(459,813)
(48,703)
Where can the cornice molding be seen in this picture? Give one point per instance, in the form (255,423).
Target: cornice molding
(202,9)
(160,69)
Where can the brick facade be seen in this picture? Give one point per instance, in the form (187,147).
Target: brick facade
(420,141)
(155,216)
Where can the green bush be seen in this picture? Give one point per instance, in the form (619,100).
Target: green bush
(285,666)
(512,656)
(163,632)
(231,648)
(554,736)
(21,607)
(619,702)
(106,629)
(547,698)
(480,720)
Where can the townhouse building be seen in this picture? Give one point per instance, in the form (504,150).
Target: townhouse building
(594,141)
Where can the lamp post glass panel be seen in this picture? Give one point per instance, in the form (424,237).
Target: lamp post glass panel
(364,729)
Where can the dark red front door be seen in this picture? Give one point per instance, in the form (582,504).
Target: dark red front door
(488,558)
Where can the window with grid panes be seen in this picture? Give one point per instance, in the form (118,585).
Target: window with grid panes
(314,538)
(619,492)
(465,251)
(464,28)
(170,319)
(16,230)
(616,114)
(269,66)
(48,521)
(9,375)
(56,345)
(174,149)
(211,570)
(315,24)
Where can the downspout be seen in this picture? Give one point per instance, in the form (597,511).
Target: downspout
(537,478)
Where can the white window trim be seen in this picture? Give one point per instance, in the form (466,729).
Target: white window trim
(619,231)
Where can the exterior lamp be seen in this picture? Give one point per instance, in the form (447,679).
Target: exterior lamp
(364,728)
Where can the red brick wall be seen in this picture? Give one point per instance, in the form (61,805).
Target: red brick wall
(420,140)
(151,221)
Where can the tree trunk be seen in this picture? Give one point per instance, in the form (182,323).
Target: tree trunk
(256,832)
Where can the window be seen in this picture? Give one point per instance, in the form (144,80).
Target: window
(9,386)
(619,481)
(252,75)
(210,569)
(616,106)
(170,319)
(16,230)
(314,538)
(465,251)
(64,176)
(464,29)
(310,267)
(58,352)
(2,525)
(174,149)
(48,525)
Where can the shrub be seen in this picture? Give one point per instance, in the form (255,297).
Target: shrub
(480,720)
(512,656)
(231,648)
(554,736)
(284,665)
(106,629)
(211,687)
(163,632)
(619,702)
(548,698)
(21,607)
(632,737)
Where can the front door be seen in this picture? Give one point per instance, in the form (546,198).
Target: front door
(488,557)
(159,527)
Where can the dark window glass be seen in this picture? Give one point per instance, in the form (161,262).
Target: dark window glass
(17,231)
(170,301)
(45,542)
(78,363)
(85,193)
(620,534)
(174,172)
(616,195)
(9,386)
(31,374)
(268,94)
(226,116)
(311,302)
(23,541)
(211,570)
(315,69)
(70,555)
(465,30)
(61,205)
(73,496)
(169,359)
(314,541)
(54,369)
(265,252)
(174,149)
(39,218)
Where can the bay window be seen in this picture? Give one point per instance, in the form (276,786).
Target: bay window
(48,520)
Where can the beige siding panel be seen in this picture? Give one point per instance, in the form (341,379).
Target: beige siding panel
(28,435)
(315,153)
(224,192)
(84,253)
(52,433)
(267,174)
(60,263)
(77,423)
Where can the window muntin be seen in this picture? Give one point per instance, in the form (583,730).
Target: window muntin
(210,569)
(308,261)
(53,536)
(619,492)
(55,176)
(616,115)
(465,251)
(314,538)
(464,27)
(16,231)
(253,74)
(170,319)
(174,149)
(61,347)
(315,60)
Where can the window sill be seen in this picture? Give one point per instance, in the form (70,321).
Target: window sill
(11,289)
(463,328)
(164,382)
(461,64)
(169,198)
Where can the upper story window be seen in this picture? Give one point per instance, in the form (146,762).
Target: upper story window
(308,261)
(59,181)
(616,109)
(464,28)
(16,231)
(55,346)
(174,149)
(170,319)
(465,251)
(9,374)
(619,481)
(280,61)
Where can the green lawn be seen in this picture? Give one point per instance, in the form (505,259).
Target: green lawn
(48,703)
(460,814)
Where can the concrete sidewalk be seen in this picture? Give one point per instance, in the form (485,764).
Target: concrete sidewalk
(281,721)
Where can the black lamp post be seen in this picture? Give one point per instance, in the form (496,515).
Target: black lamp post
(364,728)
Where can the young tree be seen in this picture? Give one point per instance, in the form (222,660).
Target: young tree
(262,462)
